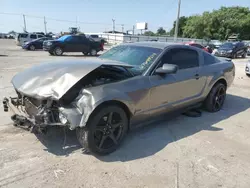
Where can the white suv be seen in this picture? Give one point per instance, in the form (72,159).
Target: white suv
(21,38)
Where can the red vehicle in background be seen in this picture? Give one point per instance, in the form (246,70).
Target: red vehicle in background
(207,49)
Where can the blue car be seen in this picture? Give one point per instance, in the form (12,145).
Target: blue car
(35,44)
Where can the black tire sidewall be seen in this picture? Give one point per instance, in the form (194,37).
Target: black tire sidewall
(92,54)
(86,134)
(209,100)
(31,47)
(55,51)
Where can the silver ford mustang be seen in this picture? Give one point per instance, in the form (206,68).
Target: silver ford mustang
(130,84)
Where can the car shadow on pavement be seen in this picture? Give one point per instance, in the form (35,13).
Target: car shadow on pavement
(152,138)
(59,141)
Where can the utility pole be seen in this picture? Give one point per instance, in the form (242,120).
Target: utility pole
(24,23)
(122,28)
(113,20)
(45,25)
(177,21)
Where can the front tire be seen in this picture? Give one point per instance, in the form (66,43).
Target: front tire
(58,51)
(244,55)
(32,48)
(104,131)
(85,53)
(215,99)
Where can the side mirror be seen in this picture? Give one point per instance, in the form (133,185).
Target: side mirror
(167,69)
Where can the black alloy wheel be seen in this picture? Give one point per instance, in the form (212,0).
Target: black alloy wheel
(105,130)
(216,98)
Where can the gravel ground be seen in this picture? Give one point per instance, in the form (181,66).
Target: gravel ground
(206,152)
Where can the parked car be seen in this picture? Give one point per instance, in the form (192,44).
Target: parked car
(73,43)
(35,44)
(102,98)
(97,38)
(198,46)
(247,69)
(232,50)
(248,48)
(26,37)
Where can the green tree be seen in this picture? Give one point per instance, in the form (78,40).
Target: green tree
(182,23)
(161,31)
(149,33)
(218,24)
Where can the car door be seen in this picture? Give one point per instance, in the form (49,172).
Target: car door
(85,44)
(71,44)
(173,91)
(240,49)
(40,43)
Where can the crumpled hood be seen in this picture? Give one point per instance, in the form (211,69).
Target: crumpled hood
(53,80)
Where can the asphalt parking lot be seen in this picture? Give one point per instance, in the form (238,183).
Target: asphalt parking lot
(205,152)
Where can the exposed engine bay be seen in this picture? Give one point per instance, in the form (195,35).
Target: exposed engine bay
(46,112)
(100,76)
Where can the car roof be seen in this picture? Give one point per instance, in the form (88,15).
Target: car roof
(152,44)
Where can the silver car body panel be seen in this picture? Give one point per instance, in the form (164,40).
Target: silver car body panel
(144,96)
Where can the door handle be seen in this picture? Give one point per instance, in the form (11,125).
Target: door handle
(197,76)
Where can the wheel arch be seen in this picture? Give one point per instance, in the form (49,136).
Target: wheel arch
(221,80)
(111,102)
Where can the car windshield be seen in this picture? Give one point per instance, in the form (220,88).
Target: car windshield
(138,56)
(227,45)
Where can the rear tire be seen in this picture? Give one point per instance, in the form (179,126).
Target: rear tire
(85,53)
(215,99)
(32,47)
(244,55)
(58,51)
(104,131)
(93,52)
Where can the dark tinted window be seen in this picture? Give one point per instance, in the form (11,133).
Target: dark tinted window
(209,59)
(94,36)
(184,58)
(33,36)
(40,36)
(227,45)
(23,35)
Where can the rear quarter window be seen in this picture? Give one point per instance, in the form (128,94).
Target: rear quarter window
(210,59)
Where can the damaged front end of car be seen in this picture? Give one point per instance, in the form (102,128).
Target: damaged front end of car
(33,113)
(60,94)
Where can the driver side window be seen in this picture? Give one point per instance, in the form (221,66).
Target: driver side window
(183,58)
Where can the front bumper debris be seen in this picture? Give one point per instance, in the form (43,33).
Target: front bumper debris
(20,118)
(18,115)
